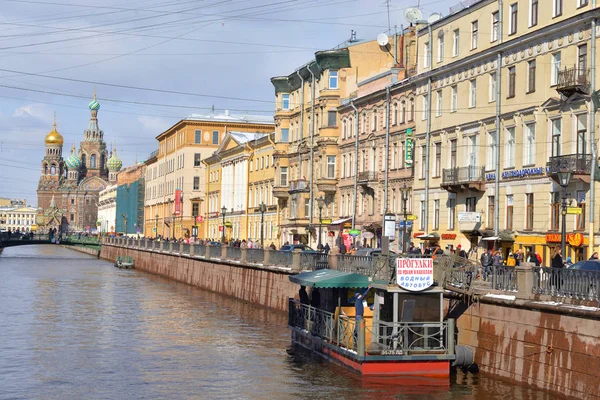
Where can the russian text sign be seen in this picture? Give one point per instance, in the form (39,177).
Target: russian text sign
(414,274)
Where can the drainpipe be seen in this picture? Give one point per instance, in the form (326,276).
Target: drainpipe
(428,134)
(301,120)
(592,132)
(498,127)
(312,135)
(387,157)
(355,162)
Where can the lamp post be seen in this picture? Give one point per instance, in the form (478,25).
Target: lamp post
(404,211)
(262,208)
(564,176)
(320,203)
(156,226)
(223,212)
(125,222)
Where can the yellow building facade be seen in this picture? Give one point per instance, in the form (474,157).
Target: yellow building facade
(307,135)
(178,167)
(240,178)
(509,98)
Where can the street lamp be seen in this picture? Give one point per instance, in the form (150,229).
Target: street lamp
(156,226)
(262,208)
(223,212)
(564,176)
(125,221)
(405,212)
(320,203)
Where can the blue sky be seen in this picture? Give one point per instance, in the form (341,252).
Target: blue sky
(218,53)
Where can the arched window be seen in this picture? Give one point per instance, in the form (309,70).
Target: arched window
(344,128)
(102,161)
(412,110)
(374,125)
(403,112)
(53,170)
(45,169)
(395,114)
(351,132)
(84,160)
(93,161)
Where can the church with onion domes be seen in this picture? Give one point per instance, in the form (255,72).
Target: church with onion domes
(68,189)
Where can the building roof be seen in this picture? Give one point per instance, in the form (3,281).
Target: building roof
(227,117)
(244,137)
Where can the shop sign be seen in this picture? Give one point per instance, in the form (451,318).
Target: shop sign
(389,226)
(331,234)
(354,232)
(574,239)
(326,221)
(574,210)
(411,217)
(469,217)
(228,224)
(409,151)
(368,235)
(199,219)
(409,224)
(448,236)
(416,235)
(414,274)
(518,173)
(220,228)
(213,214)
(178,198)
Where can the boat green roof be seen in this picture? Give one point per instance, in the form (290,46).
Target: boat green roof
(329,278)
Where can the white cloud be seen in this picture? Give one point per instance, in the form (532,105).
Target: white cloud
(36,111)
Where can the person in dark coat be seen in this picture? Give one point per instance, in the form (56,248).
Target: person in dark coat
(326,248)
(556,264)
(594,256)
(303,295)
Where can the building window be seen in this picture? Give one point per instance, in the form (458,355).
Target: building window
(509,212)
(582,3)
(557,8)
(556,60)
(531,76)
(197,159)
(403,112)
(427,61)
(581,204)
(436,215)
(92,161)
(440,48)
(395,114)
(283,176)
(556,133)
(491,212)
(72,217)
(533,6)
(215,137)
(582,58)
(423,161)
(438,110)
(196,183)
(422,216)
(581,131)
(425,107)
(514,10)
(395,156)
(471,204)
(331,167)
(495,26)
(529,212)
(474,34)
(285,135)
(285,101)
(456,43)
(493,88)
(374,125)
(491,151)
(438,160)
(472,93)
(453,152)
(512,77)
(411,116)
(72,201)
(509,148)
(197,137)
(529,150)
(451,213)
(331,118)
(472,149)
(555,211)
(333,79)
(454,102)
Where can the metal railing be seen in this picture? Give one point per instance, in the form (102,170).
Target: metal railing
(214,252)
(298,184)
(280,258)
(564,282)
(573,77)
(576,163)
(409,337)
(175,247)
(234,253)
(185,248)
(255,256)
(200,250)
(366,176)
(356,264)
(459,175)
(314,261)
(504,278)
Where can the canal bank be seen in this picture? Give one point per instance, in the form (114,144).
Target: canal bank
(534,342)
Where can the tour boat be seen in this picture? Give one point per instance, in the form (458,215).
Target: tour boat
(403,331)
(124,263)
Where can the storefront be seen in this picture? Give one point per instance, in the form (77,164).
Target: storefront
(576,245)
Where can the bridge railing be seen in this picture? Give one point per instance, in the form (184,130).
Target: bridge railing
(564,282)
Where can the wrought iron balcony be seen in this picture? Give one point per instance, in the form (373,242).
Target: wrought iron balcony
(579,164)
(463,178)
(298,185)
(367,176)
(573,80)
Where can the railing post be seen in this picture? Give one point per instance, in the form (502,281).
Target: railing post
(332,260)
(170,247)
(267,257)
(192,249)
(161,248)
(244,256)
(296,260)
(224,252)
(360,345)
(524,281)
(450,327)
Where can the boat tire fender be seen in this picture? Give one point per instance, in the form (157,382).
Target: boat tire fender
(464,357)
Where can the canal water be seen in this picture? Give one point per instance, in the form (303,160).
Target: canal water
(74,327)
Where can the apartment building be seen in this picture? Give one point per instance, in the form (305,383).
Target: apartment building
(503,104)
(175,178)
(240,176)
(17,218)
(307,156)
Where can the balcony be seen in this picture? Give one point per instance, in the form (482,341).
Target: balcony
(573,80)
(579,164)
(298,185)
(327,185)
(464,178)
(281,192)
(367,176)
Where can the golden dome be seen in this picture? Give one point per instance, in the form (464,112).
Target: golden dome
(54,137)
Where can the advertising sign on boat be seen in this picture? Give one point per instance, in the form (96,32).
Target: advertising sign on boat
(414,274)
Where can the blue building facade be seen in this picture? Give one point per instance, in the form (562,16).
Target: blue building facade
(130,208)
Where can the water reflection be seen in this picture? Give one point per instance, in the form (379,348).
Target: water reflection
(76,327)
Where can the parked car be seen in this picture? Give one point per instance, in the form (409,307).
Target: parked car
(587,265)
(292,247)
(367,251)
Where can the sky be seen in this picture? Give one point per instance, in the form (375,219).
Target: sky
(154,62)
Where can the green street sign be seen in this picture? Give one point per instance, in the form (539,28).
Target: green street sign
(409,132)
(409,151)
(354,232)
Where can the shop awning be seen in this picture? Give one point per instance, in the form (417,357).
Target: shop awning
(330,278)
(491,238)
(429,236)
(340,221)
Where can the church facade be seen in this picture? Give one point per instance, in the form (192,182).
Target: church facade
(69,188)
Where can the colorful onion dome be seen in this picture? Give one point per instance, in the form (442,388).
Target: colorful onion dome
(114,163)
(73,161)
(94,105)
(54,138)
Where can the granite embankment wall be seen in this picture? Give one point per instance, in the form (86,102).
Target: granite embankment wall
(268,287)
(87,250)
(542,344)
